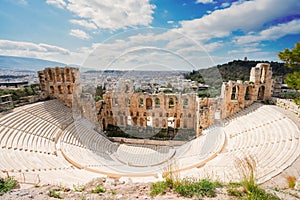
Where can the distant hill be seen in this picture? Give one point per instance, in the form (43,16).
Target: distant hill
(238,70)
(25,64)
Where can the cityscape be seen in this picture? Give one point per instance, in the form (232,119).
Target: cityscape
(148,99)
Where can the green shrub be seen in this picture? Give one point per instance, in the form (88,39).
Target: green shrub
(7,184)
(79,188)
(159,188)
(190,188)
(291,181)
(257,193)
(99,189)
(54,194)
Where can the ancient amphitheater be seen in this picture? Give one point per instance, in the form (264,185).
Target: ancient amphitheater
(44,143)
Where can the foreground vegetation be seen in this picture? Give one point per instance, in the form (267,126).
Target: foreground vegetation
(7,184)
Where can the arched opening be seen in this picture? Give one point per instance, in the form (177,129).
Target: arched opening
(68,78)
(51,89)
(261,93)
(127,102)
(185,123)
(141,102)
(247,94)
(50,75)
(178,123)
(126,88)
(69,89)
(103,124)
(157,102)
(60,90)
(163,123)
(148,103)
(263,74)
(234,93)
(156,123)
(171,103)
(142,121)
(185,103)
(134,120)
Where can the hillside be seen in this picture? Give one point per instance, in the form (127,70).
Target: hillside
(238,70)
(22,63)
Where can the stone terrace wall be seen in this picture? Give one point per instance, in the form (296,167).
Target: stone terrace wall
(287,104)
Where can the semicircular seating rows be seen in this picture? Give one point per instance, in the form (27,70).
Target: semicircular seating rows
(42,142)
(262,133)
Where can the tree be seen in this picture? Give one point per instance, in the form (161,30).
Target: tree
(291,57)
(292,60)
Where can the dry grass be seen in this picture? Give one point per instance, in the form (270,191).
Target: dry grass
(291,181)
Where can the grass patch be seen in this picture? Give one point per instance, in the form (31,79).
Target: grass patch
(159,188)
(54,194)
(186,187)
(99,189)
(79,188)
(7,184)
(250,189)
(198,188)
(291,181)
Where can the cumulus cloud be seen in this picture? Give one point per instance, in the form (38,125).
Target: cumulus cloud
(271,33)
(84,23)
(7,45)
(57,3)
(204,1)
(245,16)
(118,14)
(79,34)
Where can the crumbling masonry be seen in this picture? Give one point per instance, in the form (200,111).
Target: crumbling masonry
(125,109)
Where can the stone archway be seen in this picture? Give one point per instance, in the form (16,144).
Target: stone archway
(261,93)
(148,103)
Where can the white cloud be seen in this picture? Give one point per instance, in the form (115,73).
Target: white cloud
(272,33)
(79,34)
(246,16)
(7,45)
(225,4)
(23,2)
(84,23)
(41,51)
(57,3)
(117,14)
(204,1)
(170,22)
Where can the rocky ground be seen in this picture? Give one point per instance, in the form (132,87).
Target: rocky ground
(116,190)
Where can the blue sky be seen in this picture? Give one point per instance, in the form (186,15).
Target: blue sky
(128,34)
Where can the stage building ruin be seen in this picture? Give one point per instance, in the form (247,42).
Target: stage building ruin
(144,115)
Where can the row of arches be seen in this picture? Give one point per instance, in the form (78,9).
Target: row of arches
(235,92)
(149,122)
(151,103)
(61,89)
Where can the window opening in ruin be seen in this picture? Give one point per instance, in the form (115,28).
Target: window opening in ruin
(261,92)
(234,92)
(127,102)
(171,103)
(247,95)
(185,103)
(51,89)
(157,102)
(178,123)
(69,89)
(60,89)
(141,101)
(148,103)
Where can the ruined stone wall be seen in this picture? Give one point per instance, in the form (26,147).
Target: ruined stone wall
(154,110)
(59,82)
(238,95)
(124,108)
